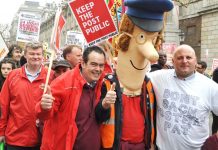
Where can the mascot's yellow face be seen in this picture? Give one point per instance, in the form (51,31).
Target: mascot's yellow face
(135,62)
(141,47)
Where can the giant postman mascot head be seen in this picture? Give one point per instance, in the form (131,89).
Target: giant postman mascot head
(139,28)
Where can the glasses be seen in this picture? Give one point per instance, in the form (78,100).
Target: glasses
(141,38)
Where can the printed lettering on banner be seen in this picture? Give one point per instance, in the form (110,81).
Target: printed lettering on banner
(28,27)
(94,19)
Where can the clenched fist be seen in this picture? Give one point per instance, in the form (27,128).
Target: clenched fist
(47,99)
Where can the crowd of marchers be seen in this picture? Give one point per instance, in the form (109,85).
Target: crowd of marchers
(71,111)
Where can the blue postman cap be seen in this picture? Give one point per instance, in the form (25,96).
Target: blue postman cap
(148,14)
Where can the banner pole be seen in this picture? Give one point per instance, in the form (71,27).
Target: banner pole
(115,10)
(49,72)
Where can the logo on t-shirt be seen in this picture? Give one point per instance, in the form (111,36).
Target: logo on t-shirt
(180,112)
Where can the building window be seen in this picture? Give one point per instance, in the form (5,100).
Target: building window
(191,30)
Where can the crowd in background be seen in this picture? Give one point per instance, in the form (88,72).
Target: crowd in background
(29,67)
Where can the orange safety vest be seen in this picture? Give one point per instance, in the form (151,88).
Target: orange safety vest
(107,129)
(152,105)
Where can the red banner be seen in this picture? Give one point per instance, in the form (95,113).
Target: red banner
(61,23)
(94,19)
(56,34)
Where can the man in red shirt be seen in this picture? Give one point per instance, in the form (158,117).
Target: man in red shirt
(20,92)
(68,108)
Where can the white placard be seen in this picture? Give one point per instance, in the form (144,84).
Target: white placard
(76,38)
(3,48)
(28,27)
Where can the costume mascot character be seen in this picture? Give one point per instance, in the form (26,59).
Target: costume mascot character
(132,118)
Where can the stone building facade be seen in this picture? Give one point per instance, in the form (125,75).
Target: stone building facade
(171,35)
(171,38)
(28,6)
(199,22)
(47,25)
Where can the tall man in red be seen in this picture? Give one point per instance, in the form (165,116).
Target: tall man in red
(68,108)
(20,92)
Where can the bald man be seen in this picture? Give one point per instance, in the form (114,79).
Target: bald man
(184,101)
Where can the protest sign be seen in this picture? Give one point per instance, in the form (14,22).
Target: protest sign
(169,49)
(74,37)
(214,64)
(94,19)
(55,41)
(28,27)
(3,48)
(116,8)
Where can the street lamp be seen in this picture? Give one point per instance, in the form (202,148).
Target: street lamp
(181,37)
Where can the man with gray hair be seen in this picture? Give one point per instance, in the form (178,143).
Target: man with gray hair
(184,100)
(20,92)
(73,54)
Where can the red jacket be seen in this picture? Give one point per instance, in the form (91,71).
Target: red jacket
(60,129)
(18,99)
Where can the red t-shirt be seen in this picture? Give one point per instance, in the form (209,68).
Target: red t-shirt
(133,120)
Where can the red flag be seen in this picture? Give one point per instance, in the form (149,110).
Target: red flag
(56,34)
(61,23)
(110,3)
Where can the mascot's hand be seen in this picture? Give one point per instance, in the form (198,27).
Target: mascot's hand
(110,97)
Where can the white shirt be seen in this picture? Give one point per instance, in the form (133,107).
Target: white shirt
(183,108)
(32,77)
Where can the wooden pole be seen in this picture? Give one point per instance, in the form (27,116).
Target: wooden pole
(115,12)
(49,72)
